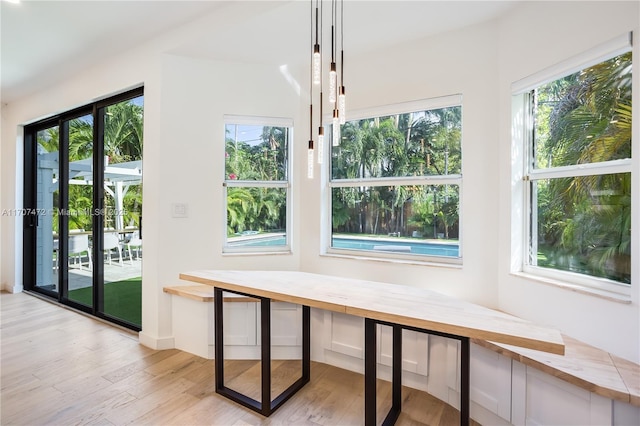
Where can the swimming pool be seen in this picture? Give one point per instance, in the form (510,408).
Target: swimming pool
(401,246)
(369,244)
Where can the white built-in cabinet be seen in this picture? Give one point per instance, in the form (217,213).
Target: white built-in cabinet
(503,391)
(192,322)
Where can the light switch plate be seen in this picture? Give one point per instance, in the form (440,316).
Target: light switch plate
(179,210)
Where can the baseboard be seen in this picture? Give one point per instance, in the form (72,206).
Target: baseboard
(16,288)
(155,342)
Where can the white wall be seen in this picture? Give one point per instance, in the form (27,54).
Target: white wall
(189,158)
(481,63)
(527,47)
(185,99)
(463,62)
(183,154)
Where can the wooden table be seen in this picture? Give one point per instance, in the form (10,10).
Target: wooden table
(401,307)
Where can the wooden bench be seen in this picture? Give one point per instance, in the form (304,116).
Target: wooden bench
(200,293)
(192,310)
(203,293)
(192,320)
(582,365)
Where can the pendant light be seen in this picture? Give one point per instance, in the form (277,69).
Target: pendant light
(333,80)
(337,94)
(320,135)
(335,126)
(342,101)
(311,82)
(310,147)
(320,127)
(333,72)
(317,57)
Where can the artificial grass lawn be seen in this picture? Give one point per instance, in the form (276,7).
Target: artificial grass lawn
(122,299)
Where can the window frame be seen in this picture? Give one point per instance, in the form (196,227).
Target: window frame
(275,184)
(524,172)
(455,100)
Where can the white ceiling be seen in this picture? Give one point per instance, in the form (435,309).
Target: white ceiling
(43,42)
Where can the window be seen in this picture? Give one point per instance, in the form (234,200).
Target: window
(395,182)
(577,173)
(256,182)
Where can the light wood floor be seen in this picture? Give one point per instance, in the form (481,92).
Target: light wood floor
(63,368)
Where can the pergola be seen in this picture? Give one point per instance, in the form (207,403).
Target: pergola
(118,179)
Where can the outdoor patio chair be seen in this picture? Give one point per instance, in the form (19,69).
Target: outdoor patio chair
(136,243)
(78,244)
(112,242)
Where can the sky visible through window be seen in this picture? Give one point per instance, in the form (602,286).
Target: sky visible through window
(251,135)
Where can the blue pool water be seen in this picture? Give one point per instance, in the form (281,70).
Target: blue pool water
(384,245)
(403,246)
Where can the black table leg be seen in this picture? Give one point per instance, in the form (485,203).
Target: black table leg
(465,372)
(219,338)
(265,342)
(396,405)
(369,372)
(306,343)
(396,378)
(267,405)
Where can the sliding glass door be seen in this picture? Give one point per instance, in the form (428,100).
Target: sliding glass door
(122,210)
(47,178)
(77,219)
(83,205)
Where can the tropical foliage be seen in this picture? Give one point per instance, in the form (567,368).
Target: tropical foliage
(584,222)
(252,164)
(379,150)
(123,128)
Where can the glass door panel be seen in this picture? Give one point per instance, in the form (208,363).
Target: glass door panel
(80,209)
(123,210)
(47,202)
(83,208)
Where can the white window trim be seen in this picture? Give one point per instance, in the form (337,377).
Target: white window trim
(522,173)
(404,107)
(453,179)
(260,250)
(600,53)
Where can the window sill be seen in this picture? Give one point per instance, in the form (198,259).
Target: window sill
(256,253)
(398,261)
(589,291)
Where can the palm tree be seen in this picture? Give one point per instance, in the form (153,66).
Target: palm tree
(123,132)
(393,146)
(240,203)
(589,121)
(123,140)
(251,207)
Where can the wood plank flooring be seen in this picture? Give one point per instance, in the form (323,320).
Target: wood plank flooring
(59,367)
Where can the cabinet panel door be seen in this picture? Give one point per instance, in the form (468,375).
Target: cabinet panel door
(344,334)
(491,381)
(286,324)
(551,401)
(415,350)
(240,323)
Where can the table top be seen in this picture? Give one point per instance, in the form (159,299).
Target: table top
(398,304)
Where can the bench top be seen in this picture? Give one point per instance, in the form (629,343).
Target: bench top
(203,293)
(403,305)
(582,365)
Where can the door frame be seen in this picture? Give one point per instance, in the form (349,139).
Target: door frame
(31,216)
